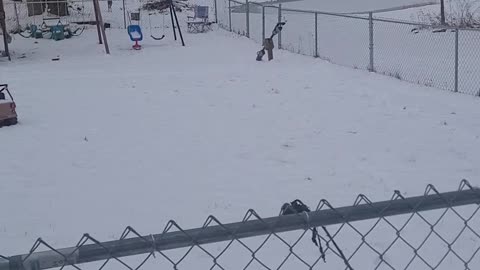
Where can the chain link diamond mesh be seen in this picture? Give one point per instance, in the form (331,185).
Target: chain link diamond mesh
(238,15)
(469,62)
(303,41)
(415,54)
(433,231)
(344,40)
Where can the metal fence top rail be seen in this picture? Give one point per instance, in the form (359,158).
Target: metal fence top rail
(89,249)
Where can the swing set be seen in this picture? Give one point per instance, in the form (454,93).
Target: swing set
(134,30)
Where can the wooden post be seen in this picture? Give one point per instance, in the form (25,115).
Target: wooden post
(98,15)
(3,26)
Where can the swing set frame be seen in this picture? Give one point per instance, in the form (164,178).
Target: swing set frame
(174,20)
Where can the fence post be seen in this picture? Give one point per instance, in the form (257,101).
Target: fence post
(247,14)
(97,22)
(316,34)
(230,15)
(456,59)
(370,26)
(280,20)
(263,23)
(124,15)
(216,11)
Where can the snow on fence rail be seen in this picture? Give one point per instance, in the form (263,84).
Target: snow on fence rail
(432,231)
(446,58)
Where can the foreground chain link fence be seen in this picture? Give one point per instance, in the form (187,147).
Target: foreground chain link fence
(446,58)
(432,231)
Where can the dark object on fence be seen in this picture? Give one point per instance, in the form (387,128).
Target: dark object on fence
(107,25)
(298,207)
(268,43)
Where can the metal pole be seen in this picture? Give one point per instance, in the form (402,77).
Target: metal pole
(247,18)
(456,60)
(124,15)
(370,26)
(263,23)
(173,22)
(316,34)
(178,25)
(239,230)
(280,20)
(97,20)
(216,11)
(230,15)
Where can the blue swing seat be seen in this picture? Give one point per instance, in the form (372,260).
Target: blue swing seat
(135,32)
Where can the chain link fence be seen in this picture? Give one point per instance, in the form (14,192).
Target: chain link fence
(432,231)
(446,58)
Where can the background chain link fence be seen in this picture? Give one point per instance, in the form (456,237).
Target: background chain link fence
(469,62)
(20,14)
(432,231)
(80,12)
(446,58)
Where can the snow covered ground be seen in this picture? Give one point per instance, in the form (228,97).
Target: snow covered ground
(141,137)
